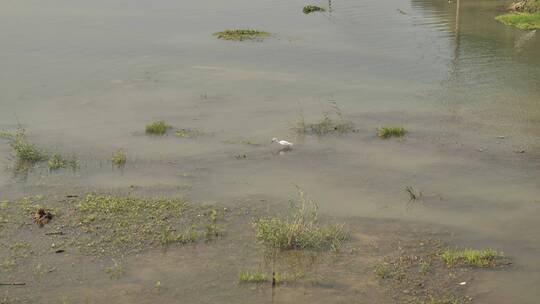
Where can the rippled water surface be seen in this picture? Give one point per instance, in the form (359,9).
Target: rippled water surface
(84,77)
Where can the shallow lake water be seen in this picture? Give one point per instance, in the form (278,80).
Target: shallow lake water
(85,77)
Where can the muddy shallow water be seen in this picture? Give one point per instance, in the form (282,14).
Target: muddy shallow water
(85,77)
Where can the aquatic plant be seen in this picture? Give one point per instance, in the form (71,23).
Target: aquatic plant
(25,151)
(308,9)
(471,257)
(413,193)
(57,161)
(391,131)
(242,34)
(301,230)
(119,158)
(275,278)
(252,277)
(116,270)
(157,128)
(524,21)
(187,133)
(327,125)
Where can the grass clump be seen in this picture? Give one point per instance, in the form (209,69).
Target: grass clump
(301,230)
(391,131)
(187,133)
(242,34)
(25,151)
(57,161)
(116,270)
(119,158)
(157,128)
(471,257)
(253,277)
(521,20)
(308,9)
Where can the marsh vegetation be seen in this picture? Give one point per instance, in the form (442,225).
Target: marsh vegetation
(157,128)
(242,34)
(300,229)
(308,9)
(391,131)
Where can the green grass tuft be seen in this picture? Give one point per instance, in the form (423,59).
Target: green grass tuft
(471,257)
(524,21)
(308,9)
(391,131)
(119,158)
(57,161)
(157,128)
(242,34)
(301,230)
(253,277)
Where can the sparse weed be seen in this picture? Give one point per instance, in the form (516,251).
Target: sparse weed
(242,34)
(116,270)
(252,277)
(301,230)
(57,161)
(119,158)
(187,133)
(328,125)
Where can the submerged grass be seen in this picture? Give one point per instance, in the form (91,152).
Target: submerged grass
(118,224)
(262,277)
(391,131)
(327,125)
(301,230)
(308,9)
(119,158)
(253,277)
(521,20)
(57,161)
(187,133)
(242,34)
(471,257)
(157,128)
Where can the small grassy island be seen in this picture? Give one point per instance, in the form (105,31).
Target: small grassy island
(524,15)
(242,34)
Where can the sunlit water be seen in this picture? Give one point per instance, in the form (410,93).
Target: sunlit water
(84,77)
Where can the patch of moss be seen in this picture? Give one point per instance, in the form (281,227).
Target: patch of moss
(242,34)
(391,131)
(308,9)
(157,128)
(524,21)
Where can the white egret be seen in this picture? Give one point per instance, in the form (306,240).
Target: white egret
(285,144)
